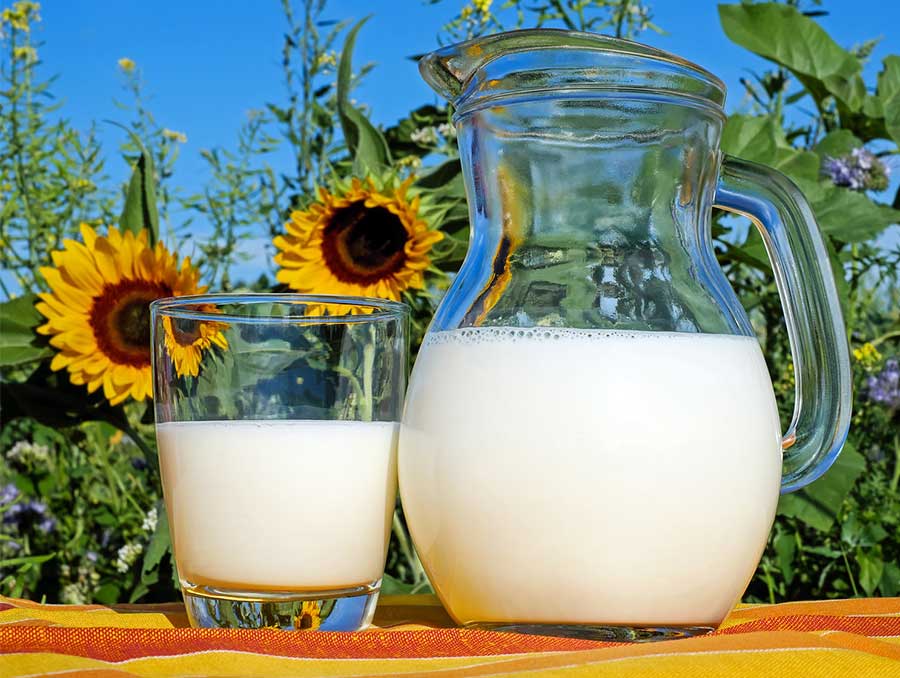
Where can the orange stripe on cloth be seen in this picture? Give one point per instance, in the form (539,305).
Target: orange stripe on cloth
(875,627)
(115,644)
(869,607)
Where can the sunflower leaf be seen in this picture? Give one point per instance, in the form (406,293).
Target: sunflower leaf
(365,142)
(785,36)
(889,95)
(18,342)
(140,212)
(818,503)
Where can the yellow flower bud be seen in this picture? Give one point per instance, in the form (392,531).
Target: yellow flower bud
(867,356)
(173,135)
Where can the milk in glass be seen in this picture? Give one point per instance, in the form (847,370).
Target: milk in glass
(279,505)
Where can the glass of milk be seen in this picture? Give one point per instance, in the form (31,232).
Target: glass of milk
(277,422)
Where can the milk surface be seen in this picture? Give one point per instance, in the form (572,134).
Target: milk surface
(589,476)
(279,505)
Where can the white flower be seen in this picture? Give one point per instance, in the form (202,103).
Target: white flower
(73,594)
(150,520)
(424,136)
(28,453)
(126,556)
(446,130)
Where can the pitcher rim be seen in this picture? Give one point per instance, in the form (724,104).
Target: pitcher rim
(449,70)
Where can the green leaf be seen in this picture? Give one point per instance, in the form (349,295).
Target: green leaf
(817,504)
(441,176)
(845,215)
(889,95)
(18,342)
(837,143)
(785,548)
(890,580)
(108,594)
(871,567)
(785,36)
(761,139)
(366,144)
(399,135)
(140,212)
(160,542)
(391,586)
(840,280)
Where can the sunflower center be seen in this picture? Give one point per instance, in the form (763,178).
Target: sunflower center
(185,332)
(363,245)
(120,319)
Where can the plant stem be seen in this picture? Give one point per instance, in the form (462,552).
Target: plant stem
(367,406)
(895,479)
(406,548)
(621,12)
(149,455)
(564,15)
(885,337)
(849,572)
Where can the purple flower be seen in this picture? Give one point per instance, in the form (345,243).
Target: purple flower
(28,513)
(46,525)
(864,159)
(91,556)
(842,173)
(8,493)
(861,170)
(884,387)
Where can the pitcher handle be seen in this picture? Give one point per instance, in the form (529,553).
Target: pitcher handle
(812,313)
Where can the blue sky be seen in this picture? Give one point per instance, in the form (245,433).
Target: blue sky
(207,62)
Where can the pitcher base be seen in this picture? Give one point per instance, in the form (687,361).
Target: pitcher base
(603,632)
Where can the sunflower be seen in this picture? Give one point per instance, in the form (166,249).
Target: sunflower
(310,617)
(186,341)
(359,242)
(98,316)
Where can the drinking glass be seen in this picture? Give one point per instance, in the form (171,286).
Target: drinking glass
(277,421)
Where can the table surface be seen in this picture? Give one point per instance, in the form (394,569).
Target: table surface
(413,636)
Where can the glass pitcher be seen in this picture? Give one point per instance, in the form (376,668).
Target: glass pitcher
(591,441)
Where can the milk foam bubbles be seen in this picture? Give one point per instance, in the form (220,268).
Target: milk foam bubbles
(279,505)
(561,475)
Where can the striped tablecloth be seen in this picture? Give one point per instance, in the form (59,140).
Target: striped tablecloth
(414,637)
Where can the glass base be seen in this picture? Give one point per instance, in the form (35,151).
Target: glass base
(608,633)
(349,609)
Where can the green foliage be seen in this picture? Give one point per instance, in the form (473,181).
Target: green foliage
(140,211)
(96,496)
(782,34)
(817,505)
(365,143)
(622,18)
(50,174)
(839,536)
(241,201)
(18,343)
(889,95)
